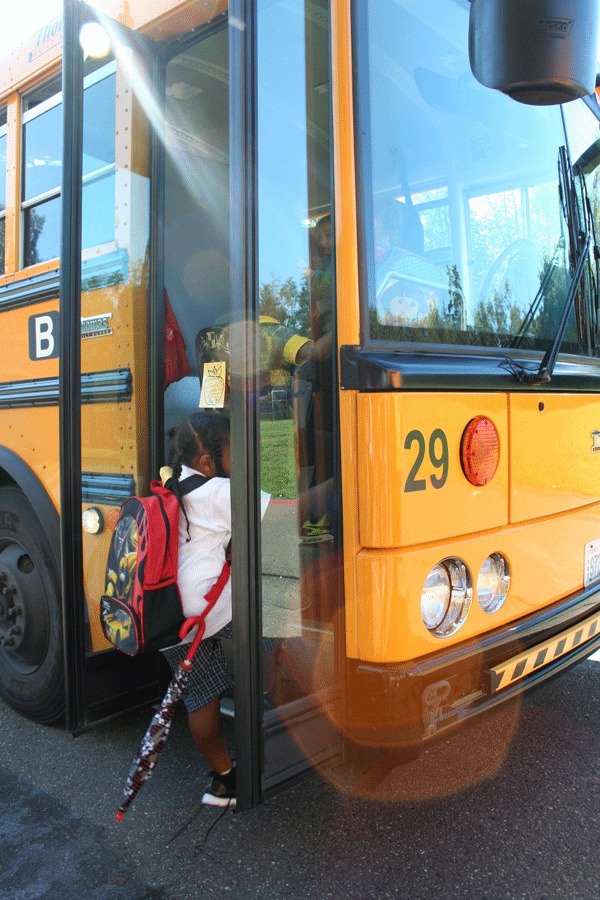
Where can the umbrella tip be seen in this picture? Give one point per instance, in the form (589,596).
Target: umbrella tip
(119,815)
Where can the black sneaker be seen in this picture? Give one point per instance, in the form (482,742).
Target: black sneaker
(220,790)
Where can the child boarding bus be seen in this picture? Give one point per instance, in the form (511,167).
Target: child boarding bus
(384,268)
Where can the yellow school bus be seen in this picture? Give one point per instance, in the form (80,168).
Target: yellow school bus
(373,227)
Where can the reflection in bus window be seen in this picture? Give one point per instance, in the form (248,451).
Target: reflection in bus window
(197,274)
(584,143)
(300,558)
(481,172)
(99,157)
(433,209)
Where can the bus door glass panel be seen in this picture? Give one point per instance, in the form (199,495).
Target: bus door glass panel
(196,219)
(99,160)
(462,186)
(115,234)
(301,562)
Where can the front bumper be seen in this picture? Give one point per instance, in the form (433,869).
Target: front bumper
(405,705)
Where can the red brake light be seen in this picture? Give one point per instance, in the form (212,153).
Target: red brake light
(480,450)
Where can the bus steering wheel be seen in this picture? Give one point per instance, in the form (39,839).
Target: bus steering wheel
(522,247)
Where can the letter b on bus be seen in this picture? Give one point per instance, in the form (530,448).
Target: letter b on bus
(44,336)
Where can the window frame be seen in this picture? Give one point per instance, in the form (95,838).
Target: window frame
(364,217)
(99,74)
(4,133)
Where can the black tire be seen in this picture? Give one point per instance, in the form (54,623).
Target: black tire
(31,642)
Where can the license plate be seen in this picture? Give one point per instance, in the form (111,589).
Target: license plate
(591,563)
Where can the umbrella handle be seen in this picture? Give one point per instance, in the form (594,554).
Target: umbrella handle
(197,640)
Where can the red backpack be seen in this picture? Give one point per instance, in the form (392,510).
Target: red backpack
(141,606)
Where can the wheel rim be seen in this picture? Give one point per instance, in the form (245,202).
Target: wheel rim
(24,609)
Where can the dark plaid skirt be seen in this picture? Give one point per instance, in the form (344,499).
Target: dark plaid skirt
(209,677)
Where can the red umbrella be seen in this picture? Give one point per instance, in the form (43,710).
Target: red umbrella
(158,730)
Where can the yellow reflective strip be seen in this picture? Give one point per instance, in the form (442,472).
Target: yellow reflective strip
(519,666)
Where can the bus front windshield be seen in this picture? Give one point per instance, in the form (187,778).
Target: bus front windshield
(466,232)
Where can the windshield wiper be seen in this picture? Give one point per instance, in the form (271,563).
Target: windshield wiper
(579,245)
(540,295)
(544,373)
(594,270)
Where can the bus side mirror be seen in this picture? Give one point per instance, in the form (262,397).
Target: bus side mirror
(540,52)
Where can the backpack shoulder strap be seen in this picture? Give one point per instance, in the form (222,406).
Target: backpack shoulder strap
(191,483)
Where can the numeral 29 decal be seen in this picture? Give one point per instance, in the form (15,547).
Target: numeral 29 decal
(438,456)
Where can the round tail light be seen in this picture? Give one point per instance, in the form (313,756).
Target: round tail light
(480,450)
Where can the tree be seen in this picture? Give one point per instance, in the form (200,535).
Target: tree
(455,311)
(287,302)
(36,225)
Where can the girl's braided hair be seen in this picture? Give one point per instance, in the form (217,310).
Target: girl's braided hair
(207,430)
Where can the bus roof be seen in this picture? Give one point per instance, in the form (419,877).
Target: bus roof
(159,19)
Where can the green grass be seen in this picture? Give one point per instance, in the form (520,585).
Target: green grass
(278,458)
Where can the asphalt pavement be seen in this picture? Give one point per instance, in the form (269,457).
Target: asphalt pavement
(507,809)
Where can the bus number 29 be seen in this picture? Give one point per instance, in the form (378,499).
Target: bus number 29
(438,455)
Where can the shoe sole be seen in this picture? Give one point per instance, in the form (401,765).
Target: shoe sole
(316,539)
(211,800)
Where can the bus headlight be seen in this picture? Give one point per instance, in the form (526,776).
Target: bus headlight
(92,520)
(493,583)
(446,597)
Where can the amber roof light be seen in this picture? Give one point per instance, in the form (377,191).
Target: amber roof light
(480,450)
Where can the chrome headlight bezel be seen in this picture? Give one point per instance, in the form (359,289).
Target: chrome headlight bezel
(445,613)
(493,585)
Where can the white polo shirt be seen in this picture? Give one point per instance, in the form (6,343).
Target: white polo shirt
(201,557)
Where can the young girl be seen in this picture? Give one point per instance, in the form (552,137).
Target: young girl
(201,445)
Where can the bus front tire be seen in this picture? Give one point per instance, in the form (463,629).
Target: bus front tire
(31,642)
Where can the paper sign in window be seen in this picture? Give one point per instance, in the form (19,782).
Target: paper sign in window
(212,395)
